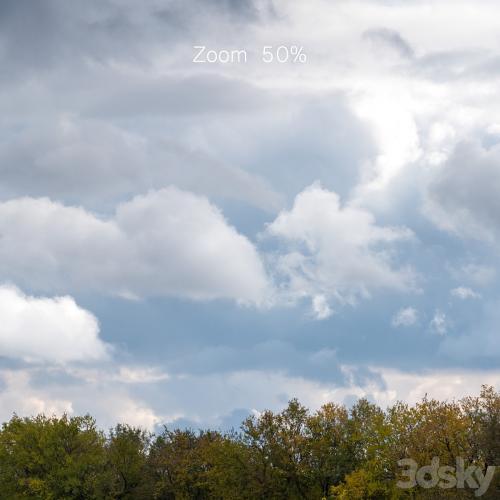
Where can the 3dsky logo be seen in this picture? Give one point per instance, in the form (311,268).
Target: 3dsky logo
(446,476)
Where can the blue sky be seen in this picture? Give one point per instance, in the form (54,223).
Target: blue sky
(185,244)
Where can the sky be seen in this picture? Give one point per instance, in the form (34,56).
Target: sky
(187,243)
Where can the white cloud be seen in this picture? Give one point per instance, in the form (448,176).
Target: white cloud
(336,252)
(47,329)
(109,401)
(140,375)
(208,398)
(405,317)
(440,384)
(464,293)
(389,110)
(18,396)
(439,323)
(168,242)
(321,308)
(133,413)
(123,374)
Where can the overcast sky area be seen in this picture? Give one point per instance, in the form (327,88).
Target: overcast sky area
(186,243)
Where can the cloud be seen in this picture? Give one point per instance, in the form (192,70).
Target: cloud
(321,308)
(439,323)
(108,401)
(442,384)
(100,104)
(405,317)
(47,329)
(43,36)
(462,197)
(302,137)
(200,399)
(179,96)
(464,293)
(166,243)
(391,39)
(133,375)
(208,400)
(336,251)
(477,274)
(477,342)
(18,396)
(98,163)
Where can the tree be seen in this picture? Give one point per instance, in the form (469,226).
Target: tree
(331,447)
(279,452)
(52,458)
(333,453)
(127,455)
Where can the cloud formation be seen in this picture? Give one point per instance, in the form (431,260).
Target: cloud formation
(41,329)
(166,243)
(405,317)
(336,251)
(102,110)
(463,293)
(94,163)
(463,195)
(439,323)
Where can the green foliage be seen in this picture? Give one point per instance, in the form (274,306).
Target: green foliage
(51,458)
(333,453)
(127,462)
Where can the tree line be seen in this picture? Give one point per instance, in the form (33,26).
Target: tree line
(332,453)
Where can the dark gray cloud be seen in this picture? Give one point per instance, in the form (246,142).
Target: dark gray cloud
(36,37)
(39,36)
(463,195)
(97,164)
(242,11)
(198,94)
(92,123)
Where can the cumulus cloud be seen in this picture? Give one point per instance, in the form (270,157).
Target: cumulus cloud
(336,251)
(166,243)
(47,329)
(405,317)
